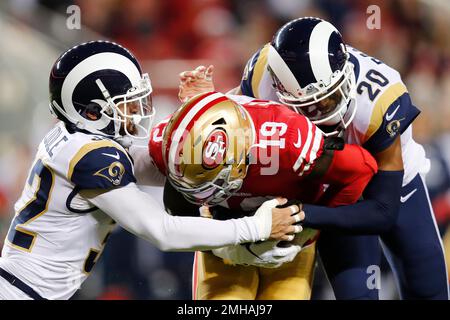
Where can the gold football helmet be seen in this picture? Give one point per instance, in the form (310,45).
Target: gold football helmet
(205,148)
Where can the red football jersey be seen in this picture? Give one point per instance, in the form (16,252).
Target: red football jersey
(285,152)
(155,145)
(286,148)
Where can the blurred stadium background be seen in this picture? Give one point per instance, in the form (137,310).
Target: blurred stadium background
(171,36)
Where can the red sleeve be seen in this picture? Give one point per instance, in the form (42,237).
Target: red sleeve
(155,145)
(304,143)
(349,173)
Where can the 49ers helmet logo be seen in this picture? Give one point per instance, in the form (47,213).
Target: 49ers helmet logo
(214,149)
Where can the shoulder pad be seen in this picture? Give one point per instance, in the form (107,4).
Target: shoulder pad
(391,116)
(101,164)
(253,72)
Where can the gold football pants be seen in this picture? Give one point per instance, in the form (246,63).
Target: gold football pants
(215,280)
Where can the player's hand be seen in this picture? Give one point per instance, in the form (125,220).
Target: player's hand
(263,254)
(195,82)
(282,225)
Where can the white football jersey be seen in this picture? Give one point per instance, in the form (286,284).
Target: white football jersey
(56,235)
(384,107)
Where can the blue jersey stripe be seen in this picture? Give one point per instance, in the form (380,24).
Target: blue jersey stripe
(397,118)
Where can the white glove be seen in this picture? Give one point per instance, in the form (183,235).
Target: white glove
(263,218)
(263,254)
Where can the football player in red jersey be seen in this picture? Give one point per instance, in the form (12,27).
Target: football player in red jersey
(346,92)
(233,152)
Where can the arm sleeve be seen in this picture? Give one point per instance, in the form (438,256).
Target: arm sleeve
(145,171)
(140,214)
(392,115)
(374,215)
(348,175)
(305,144)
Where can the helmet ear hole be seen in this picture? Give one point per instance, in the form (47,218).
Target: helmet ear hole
(92,111)
(219,122)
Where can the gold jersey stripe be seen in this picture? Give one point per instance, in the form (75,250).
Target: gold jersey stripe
(258,70)
(446,243)
(381,106)
(86,149)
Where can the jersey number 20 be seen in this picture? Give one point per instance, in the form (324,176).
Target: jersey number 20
(375,78)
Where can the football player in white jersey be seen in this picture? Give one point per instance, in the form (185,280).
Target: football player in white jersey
(82,182)
(308,67)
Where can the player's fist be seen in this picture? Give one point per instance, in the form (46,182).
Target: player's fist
(195,82)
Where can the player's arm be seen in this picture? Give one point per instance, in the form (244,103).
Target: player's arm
(200,80)
(373,215)
(141,215)
(347,173)
(378,212)
(346,169)
(145,170)
(262,254)
(103,174)
(148,163)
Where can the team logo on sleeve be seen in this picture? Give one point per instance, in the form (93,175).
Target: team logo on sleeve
(214,149)
(113,173)
(393,127)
